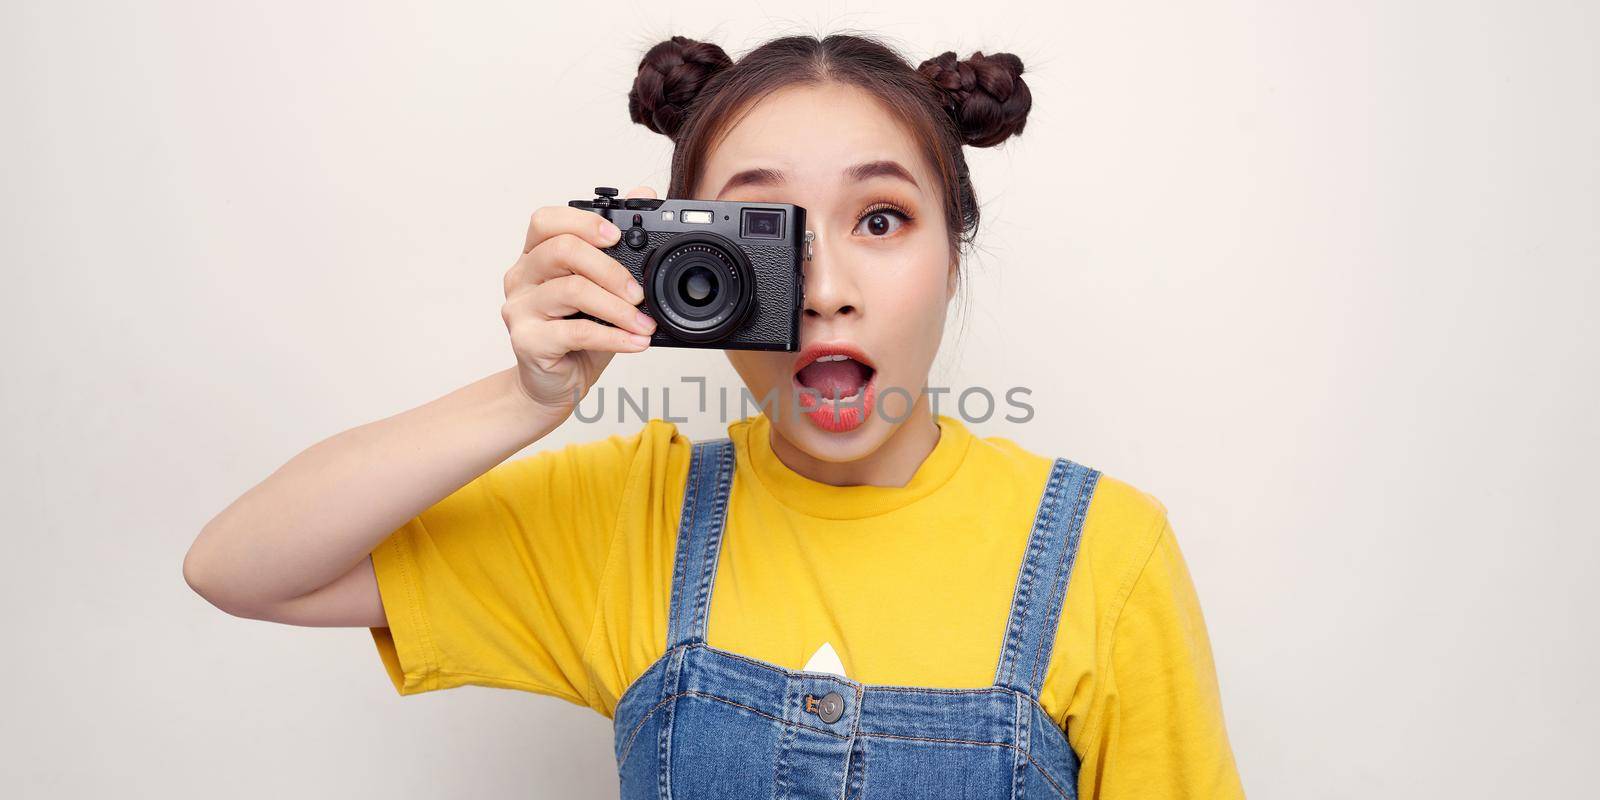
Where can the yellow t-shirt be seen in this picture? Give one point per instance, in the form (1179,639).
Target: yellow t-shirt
(551,573)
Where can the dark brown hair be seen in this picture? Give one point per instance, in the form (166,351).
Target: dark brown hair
(693,93)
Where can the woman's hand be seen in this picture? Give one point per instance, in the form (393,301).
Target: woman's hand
(562,270)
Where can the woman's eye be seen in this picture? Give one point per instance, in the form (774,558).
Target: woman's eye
(881,222)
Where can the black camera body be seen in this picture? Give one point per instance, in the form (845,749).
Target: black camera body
(717,274)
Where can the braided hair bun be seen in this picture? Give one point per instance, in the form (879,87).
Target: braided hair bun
(670,76)
(985,95)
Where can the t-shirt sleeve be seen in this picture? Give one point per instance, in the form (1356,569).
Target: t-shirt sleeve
(498,583)
(1160,731)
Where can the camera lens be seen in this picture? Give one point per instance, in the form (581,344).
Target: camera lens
(697,285)
(761,224)
(701,287)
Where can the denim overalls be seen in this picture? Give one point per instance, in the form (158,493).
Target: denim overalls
(703,722)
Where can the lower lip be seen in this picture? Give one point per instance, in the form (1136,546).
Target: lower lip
(838,417)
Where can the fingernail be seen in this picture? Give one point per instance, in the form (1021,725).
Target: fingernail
(641,341)
(636,291)
(645,321)
(609,232)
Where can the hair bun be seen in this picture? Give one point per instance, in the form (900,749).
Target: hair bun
(670,75)
(986,95)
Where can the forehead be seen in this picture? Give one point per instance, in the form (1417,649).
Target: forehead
(812,134)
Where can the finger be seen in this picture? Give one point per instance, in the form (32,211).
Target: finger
(552,339)
(641,191)
(590,335)
(550,221)
(560,297)
(566,254)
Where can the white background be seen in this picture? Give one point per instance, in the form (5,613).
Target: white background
(1316,275)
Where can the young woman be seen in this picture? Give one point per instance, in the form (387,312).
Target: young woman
(824,604)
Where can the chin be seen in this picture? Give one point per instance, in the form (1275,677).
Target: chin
(837,446)
(821,429)
(839,434)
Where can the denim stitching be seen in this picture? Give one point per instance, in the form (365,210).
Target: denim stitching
(1022,598)
(785,748)
(1031,760)
(708,696)
(844,775)
(1019,781)
(783,745)
(1050,779)
(1052,602)
(1069,557)
(1055,584)
(866,764)
(1053,537)
(685,536)
(855,711)
(714,522)
(1060,732)
(780,773)
(633,687)
(813,728)
(1032,701)
(855,741)
(686,530)
(1019,594)
(627,749)
(664,737)
(711,545)
(857,788)
(659,664)
(704,545)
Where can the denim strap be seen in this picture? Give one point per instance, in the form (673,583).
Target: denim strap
(705,506)
(1042,578)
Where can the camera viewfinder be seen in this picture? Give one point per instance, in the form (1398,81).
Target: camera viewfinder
(757,223)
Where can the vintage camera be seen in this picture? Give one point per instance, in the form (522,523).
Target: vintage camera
(716,274)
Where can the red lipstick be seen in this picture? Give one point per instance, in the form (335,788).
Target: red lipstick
(831,408)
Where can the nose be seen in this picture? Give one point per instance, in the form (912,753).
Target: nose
(830,286)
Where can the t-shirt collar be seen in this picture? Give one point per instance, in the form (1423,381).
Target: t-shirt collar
(814,498)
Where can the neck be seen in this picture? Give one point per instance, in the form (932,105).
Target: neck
(893,464)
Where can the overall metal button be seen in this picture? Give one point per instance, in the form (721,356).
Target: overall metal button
(829,708)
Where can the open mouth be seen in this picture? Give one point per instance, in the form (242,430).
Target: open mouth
(835,386)
(835,376)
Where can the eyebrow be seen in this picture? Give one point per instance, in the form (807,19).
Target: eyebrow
(766,176)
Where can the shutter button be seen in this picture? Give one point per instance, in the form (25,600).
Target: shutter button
(829,708)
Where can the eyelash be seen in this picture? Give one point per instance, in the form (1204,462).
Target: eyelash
(885,205)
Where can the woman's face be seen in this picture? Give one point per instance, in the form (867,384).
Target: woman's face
(881,275)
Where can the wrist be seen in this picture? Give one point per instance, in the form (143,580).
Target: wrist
(523,413)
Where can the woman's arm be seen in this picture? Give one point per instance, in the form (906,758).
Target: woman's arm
(295,547)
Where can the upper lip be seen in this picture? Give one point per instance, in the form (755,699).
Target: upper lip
(816,350)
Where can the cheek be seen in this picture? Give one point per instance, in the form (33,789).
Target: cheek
(909,302)
(914,291)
